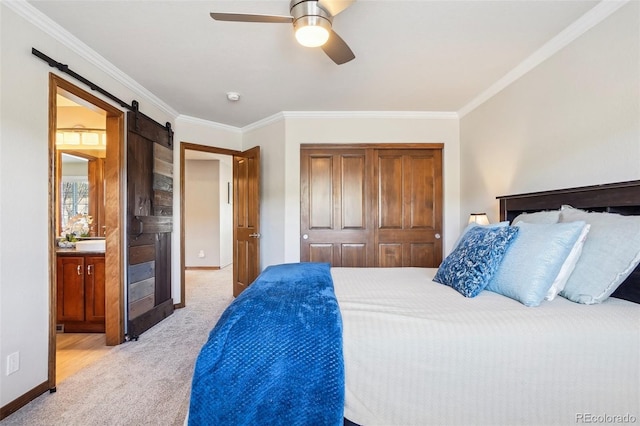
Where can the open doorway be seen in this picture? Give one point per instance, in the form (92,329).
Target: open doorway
(208,210)
(243,195)
(85,211)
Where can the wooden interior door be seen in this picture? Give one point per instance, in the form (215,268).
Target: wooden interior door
(336,223)
(149,223)
(246,219)
(409,192)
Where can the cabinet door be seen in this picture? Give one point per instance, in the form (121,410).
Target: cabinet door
(70,288)
(94,288)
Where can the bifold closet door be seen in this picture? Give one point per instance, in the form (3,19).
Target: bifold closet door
(379,205)
(409,200)
(336,221)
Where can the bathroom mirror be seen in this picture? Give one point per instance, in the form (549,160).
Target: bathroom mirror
(80,191)
(80,157)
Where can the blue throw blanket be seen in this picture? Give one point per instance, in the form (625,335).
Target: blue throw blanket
(275,355)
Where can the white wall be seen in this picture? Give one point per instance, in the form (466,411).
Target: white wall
(574,120)
(202,213)
(281,141)
(226,212)
(208,213)
(24,243)
(273,167)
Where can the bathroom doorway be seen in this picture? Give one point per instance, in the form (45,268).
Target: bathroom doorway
(85,216)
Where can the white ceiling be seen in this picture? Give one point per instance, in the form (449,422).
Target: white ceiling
(410,55)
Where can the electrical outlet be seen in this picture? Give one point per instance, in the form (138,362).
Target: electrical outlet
(13,363)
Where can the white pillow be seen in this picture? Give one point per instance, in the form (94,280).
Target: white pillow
(569,265)
(547,216)
(610,253)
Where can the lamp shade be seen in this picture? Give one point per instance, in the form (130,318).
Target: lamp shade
(479,218)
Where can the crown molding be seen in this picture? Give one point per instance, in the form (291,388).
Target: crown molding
(279,116)
(413,115)
(57,32)
(207,123)
(422,115)
(587,21)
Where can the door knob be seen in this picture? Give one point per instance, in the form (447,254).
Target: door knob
(255,235)
(437,236)
(305,237)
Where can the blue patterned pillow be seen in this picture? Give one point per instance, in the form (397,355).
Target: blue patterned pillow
(473,262)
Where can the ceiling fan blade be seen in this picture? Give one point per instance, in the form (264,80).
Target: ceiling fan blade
(251,17)
(335,6)
(337,49)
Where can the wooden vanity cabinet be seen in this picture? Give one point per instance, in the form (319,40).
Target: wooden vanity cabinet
(80,292)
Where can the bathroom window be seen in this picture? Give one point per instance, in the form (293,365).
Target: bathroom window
(74,188)
(75,199)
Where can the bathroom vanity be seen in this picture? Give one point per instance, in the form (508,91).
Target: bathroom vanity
(80,290)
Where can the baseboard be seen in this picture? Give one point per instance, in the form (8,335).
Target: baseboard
(23,400)
(202,268)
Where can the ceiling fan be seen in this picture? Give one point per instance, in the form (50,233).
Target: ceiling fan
(312,20)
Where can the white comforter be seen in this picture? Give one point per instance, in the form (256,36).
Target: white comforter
(419,353)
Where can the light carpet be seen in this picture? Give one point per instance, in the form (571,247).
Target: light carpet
(144,382)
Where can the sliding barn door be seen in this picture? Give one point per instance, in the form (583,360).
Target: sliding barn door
(409,199)
(246,219)
(371,206)
(149,223)
(336,223)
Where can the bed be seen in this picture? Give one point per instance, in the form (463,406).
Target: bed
(401,349)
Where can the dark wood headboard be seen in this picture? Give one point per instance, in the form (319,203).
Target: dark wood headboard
(621,197)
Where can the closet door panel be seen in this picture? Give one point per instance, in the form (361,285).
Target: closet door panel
(335,207)
(352,192)
(353,255)
(321,192)
(420,193)
(422,255)
(389,255)
(410,207)
(390,193)
(321,253)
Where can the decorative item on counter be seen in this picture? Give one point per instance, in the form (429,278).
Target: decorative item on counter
(78,226)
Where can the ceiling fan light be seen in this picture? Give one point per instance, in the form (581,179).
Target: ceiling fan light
(312,31)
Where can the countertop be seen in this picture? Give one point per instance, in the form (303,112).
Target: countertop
(73,251)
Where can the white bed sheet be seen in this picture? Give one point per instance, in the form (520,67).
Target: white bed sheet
(419,353)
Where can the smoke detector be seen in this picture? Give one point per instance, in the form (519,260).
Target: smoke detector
(233,96)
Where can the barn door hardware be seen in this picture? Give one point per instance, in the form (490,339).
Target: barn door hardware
(65,69)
